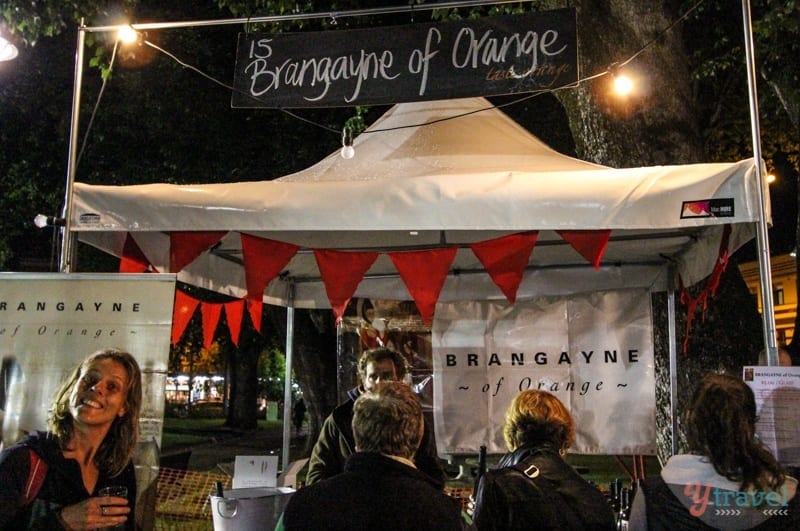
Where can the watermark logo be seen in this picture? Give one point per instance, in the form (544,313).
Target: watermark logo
(730,503)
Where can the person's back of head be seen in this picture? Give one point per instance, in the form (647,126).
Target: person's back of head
(388,420)
(721,425)
(538,417)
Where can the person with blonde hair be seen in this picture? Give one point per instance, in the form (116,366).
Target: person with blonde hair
(54,479)
(380,488)
(533,487)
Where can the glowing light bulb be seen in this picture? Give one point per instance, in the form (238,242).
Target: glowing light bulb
(623,85)
(7,50)
(348,152)
(128,35)
(40,221)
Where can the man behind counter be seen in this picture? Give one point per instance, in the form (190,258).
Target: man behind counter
(336,443)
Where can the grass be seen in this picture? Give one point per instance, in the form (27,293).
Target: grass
(181,432)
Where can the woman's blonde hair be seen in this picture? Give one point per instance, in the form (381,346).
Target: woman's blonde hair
(535,418)
(117,448)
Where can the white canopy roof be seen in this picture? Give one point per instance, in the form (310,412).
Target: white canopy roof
(440,173)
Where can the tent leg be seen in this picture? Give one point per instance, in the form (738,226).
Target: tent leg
(673,370)
(762,238)
(287,383)
(67,239)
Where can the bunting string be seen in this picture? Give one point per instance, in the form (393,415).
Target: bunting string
(423,272)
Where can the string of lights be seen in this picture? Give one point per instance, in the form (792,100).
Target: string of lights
(622,83)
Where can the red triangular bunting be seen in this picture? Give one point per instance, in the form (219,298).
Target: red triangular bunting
(255,308)
(211,312)
(185,246)
(590,244)
(341,272)
(505,259)
(234,311)
(182,313)
(263,260)
(424,273)
(133,259)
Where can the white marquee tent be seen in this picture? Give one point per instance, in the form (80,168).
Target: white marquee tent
(433,175)
(450,182)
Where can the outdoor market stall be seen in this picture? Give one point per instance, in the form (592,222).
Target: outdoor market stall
(443,201)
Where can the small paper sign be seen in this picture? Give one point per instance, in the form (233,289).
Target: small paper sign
(255,471)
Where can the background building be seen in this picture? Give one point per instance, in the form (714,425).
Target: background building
(784,292)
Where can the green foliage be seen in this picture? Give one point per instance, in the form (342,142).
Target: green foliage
(455,13)
(272,369)
(33,20)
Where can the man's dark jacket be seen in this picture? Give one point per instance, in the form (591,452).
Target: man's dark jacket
(373,492)
(336,443)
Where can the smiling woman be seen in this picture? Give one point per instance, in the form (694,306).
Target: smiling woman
(54,478)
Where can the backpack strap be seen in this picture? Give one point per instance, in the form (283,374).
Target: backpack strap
(531,471)
(36,474)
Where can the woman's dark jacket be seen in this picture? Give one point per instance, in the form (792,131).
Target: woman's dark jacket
(62,486)
(557,498)
(666,512)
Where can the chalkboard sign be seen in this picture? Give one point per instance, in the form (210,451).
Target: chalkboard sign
(475,57)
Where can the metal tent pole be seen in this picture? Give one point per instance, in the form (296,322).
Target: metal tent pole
(67,240)
(333,15)
(673,368)
(762,237)
(287,384)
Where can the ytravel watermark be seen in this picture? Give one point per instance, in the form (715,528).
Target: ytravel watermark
(730,503)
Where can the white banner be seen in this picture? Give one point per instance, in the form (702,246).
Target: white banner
(50,322)
(777,394)
(593,351)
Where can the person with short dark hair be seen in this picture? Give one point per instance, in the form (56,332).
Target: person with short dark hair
(336,442)
(729,481)
(52,480)
(380,487)
(533,487)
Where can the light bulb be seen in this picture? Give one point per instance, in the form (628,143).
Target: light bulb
(348,152)
(40,221)
(623,85)
(128,35)
(7,50)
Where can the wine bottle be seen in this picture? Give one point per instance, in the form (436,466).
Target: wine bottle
(613,495)
(624,509)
